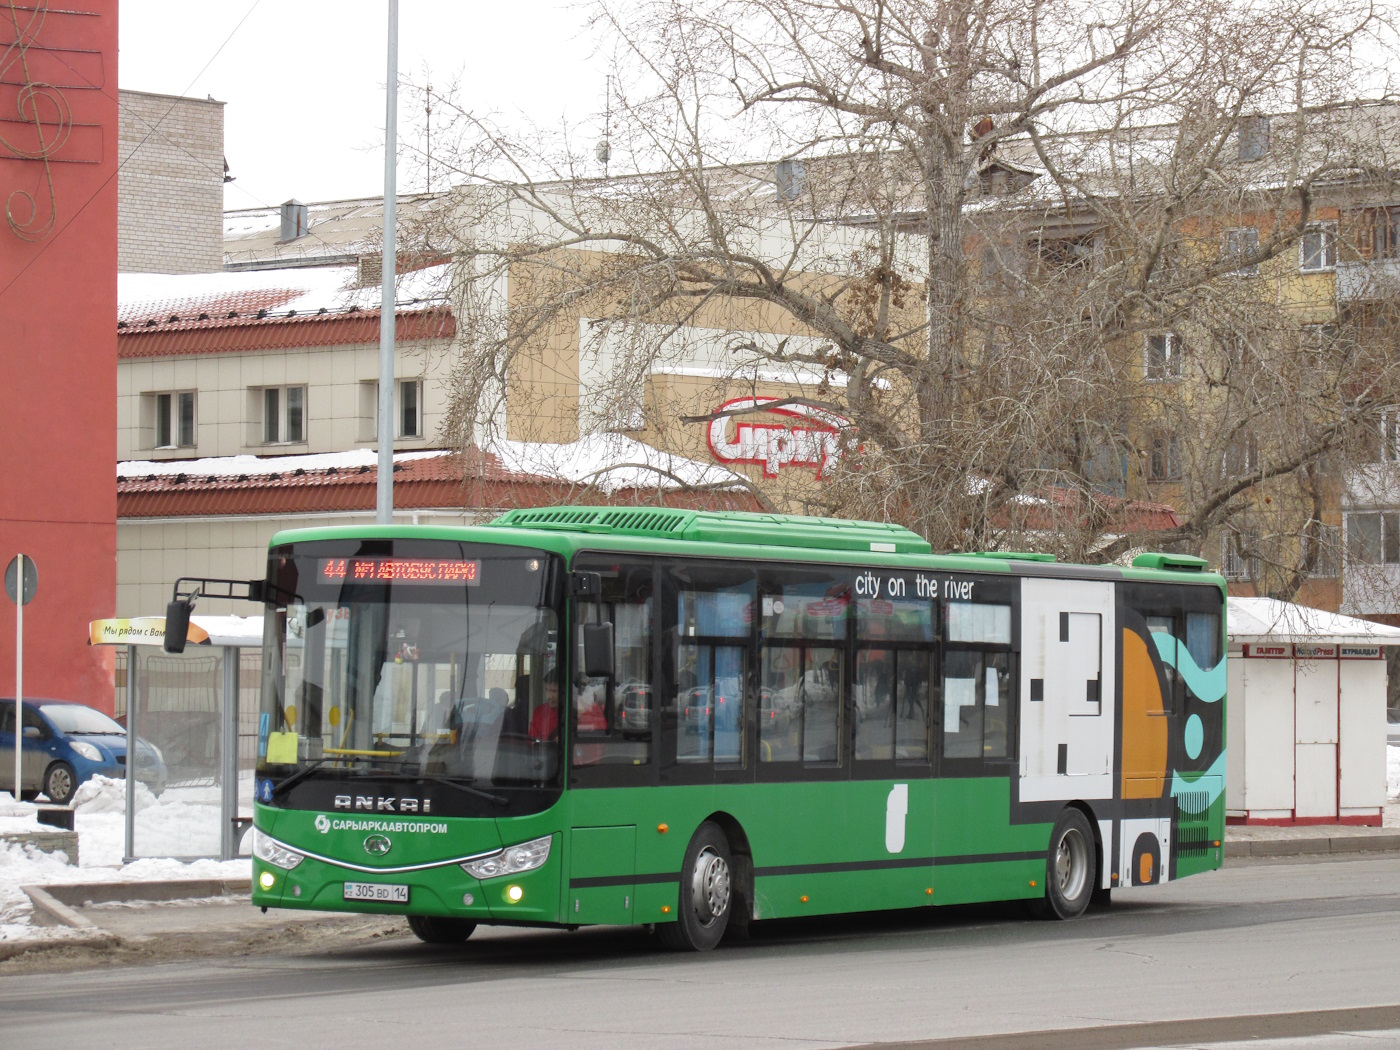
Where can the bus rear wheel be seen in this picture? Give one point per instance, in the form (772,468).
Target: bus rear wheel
(1069,868)
(434,929)
(707,897)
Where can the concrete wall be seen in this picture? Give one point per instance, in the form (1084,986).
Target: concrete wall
(170,193)
(58,299)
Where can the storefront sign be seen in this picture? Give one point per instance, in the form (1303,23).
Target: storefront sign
(1315,652)
(773,446)
(1269,652)
(1361,652)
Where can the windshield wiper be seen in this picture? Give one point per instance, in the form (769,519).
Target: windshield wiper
(300,774)
(499,800)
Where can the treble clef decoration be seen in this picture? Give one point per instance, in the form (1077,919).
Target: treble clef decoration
(40,105)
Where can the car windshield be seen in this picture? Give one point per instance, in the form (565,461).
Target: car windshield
(430,667)
(81,721)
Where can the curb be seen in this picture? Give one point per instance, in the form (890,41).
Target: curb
(1383,842)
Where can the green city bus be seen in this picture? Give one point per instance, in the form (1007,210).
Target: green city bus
(691,720)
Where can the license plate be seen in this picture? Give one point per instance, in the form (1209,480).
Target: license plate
(390,893)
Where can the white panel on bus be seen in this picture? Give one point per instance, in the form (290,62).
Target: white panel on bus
(1315,685)
(1068,687)
(1316,786)
(1141,832)
(1235,736)
(1363,687)
(1267,692)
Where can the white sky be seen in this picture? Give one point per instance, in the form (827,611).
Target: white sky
(303,81)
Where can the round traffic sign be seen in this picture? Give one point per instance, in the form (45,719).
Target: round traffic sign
(31,579)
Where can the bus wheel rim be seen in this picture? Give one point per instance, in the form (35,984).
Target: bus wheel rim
(1070,864)
(709,886)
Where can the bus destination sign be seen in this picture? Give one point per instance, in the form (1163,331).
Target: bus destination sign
(398,570)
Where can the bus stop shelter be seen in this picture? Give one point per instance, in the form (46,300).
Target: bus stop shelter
(1305,715)
(188,706)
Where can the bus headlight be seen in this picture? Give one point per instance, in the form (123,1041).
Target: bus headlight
(273,852)
(512,860)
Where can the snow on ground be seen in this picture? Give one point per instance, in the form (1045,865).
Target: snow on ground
(183,822)
(1392,773)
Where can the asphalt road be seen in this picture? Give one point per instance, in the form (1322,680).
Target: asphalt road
(1293,951)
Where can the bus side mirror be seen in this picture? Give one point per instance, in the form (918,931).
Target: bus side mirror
(177,625)
(598,650)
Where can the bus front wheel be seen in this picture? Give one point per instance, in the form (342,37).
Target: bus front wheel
(433,929)
(1069,868)
(706,897)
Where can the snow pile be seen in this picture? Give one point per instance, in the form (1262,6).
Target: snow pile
(1392,773)
(183,822)
(105,795)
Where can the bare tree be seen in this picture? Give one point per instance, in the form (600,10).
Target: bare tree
(1029,256)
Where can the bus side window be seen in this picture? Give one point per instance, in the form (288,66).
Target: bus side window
(895,638)
(802,699)
(714,618)
(613,718)
(977,681)
(1165,634)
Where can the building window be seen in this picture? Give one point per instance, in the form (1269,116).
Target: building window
(284,415)
(1318,248)
(1373,538)
(1162,357)
(1386,229)
(1238,560)
(174,420)
(1164,458)
(1240,244)
(1241,456)
(410,408)
(1253,137)
(1389,451)
(1329,550)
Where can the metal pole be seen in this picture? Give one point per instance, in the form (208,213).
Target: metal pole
(228,757)
(19,672)
(131,694)
(384,501)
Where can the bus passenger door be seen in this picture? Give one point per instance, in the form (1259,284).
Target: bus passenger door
(1068,688)
(602,866)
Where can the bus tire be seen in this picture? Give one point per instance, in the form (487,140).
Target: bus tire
(707,894)
(1069,868)
(434,929)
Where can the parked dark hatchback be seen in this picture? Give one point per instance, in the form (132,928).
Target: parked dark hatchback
(67,743)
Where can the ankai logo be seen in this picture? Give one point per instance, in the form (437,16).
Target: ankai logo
(778,445)
(383,804)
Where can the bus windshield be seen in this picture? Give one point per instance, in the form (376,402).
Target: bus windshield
(432,663)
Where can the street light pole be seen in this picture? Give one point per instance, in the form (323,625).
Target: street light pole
(384,493)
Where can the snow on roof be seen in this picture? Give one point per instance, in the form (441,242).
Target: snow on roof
(143,297)
(234,466)
(1271,620)
(610,462)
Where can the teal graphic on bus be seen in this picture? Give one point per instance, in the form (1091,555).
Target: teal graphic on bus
(692,720)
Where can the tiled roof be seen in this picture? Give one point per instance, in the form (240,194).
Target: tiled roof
(163,315)
(176,339)
(422,481)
